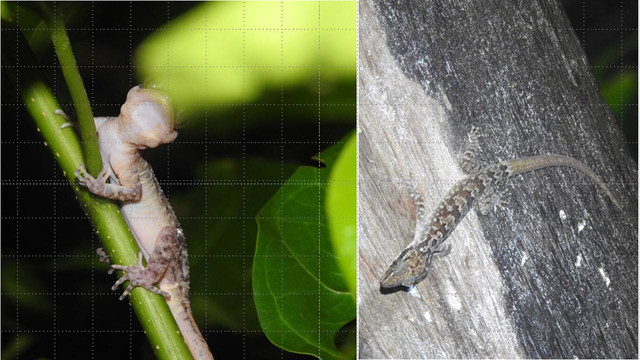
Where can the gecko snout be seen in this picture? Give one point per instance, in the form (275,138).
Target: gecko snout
(407,270)
(394,275)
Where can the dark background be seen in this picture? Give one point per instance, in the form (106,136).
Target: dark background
(608,32)
(56,301)
(56,296)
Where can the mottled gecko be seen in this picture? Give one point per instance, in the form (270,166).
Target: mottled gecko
(412,265)
(146,120)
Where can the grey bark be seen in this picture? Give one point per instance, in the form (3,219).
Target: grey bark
(555,275)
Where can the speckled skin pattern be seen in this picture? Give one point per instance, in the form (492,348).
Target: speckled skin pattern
(146,120)
(412,265)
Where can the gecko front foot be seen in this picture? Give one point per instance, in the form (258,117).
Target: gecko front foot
(468,162)
(493,200)
(66,117)
(96,186)
(138,276)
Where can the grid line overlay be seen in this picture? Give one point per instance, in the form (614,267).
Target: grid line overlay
(17,190)
(244,171)
(380,340)
(281,207)
(319,188)
(55,273)
(92,241)
(60,217)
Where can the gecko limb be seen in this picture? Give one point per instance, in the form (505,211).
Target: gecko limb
(137,276)
(418,200)
(468,161)
(104,258)
(442,249)
(66,117)
(100,186)
(162,256)
(492,200)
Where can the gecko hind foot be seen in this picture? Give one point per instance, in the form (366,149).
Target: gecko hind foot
(416,197)
(138,276)
(468,161)
(104,258)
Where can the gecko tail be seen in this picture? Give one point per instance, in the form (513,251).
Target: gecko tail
(181,310)
(532,163)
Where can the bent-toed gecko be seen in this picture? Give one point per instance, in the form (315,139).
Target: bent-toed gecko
(412,265)
(146,120)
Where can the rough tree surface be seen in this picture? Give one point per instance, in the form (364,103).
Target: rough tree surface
(554,275)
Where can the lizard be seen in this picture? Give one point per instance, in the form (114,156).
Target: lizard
(479,185)
(146,120)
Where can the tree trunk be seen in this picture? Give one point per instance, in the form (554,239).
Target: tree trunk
(553,275)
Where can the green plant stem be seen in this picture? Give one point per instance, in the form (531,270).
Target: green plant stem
(152,311)
(72,77)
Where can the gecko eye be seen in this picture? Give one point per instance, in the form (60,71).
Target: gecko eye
(152,83)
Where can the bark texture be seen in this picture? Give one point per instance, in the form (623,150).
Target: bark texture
(555,275)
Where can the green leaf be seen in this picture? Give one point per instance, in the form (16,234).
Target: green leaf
(341,212)
(225,246)
(231,52)
(299,290)
(6,13)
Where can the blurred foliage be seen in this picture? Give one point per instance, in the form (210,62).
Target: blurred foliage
(341,212)
(299,288)
(261,122)
(608,33)
(228,239)
(223,53)
(231,156)
(619,87)
(230,54)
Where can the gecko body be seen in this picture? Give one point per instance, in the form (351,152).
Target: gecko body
(412,265)
(146,120)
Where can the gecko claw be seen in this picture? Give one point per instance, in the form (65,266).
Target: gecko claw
(126,292)
(69,122)
(500,201)
(83,176)
(474,134)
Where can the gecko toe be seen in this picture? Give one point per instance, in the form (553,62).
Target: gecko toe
(104,174)
(126,292)
(119,282)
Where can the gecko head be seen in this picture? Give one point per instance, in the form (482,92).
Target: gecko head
(147,118)
(407,270)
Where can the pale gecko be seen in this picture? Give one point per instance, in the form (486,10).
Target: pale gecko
(146,120)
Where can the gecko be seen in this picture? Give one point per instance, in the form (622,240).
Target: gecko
(146,120)
(479,185)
